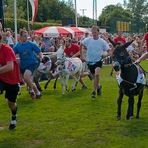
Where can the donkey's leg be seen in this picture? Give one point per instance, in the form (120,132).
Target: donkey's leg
(48,81)
(112,71)
(62,79)
(119,102)
(139,103)
(36,78)
(50,77)
(66,82)
(130,107)
(55,82)
(75,82)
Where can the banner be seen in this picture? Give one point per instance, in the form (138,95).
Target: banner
(34,5)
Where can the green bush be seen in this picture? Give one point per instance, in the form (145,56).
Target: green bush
(9,23)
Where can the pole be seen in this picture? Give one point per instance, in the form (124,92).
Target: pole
(96,11)
(93,9)
(28,15)
(15,19)
(76,19)
(2,14)
(83,10)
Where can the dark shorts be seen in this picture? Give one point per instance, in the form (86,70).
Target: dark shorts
(31,68)
(94,66)
(11,91)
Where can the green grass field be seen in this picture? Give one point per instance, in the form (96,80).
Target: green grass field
(74,120)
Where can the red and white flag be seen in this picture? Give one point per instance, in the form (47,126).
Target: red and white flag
(34,5)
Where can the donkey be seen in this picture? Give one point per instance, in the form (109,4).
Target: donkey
(68,67)
(131,80)
(47,66)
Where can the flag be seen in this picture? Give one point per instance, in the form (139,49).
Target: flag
(34,5)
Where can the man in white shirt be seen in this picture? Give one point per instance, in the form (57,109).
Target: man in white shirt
(96,47)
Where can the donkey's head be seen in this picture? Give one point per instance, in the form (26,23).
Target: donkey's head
(60,55)
(121,56)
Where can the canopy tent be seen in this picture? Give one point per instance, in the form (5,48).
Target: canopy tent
(56,31)
(79,31)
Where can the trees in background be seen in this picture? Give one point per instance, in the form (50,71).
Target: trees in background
(133,14)
(139,11)
(48,10)
(113,14)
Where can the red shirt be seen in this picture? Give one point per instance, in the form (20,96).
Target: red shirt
(6,55)
(119,39)
(146,39)
(73,49)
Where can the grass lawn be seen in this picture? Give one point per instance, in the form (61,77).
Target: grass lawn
(74,120)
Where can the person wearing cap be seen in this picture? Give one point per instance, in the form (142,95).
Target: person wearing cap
(9,78)
(29,54)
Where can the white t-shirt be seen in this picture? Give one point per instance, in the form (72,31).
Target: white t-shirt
(95,49)
(130,48)
(10,41)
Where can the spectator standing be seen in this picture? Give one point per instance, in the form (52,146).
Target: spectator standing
(145,39)
(10,39)
(120,38)
(47,45)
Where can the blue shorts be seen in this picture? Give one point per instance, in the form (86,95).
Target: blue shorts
(31,68)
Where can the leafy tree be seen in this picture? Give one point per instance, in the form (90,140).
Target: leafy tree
(113,13)
(139,10)
(9,9)
(85,21)
(48,9)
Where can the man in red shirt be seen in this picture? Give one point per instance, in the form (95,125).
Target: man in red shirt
(73,50)
(9,78)
(120,38)
(146,40)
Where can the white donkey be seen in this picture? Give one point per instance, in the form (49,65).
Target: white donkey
(68,67)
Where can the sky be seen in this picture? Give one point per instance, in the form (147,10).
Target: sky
(88,5)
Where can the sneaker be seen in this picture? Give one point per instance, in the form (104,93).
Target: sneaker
(12,125)
(93,94)
(99,90)
(84,87)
